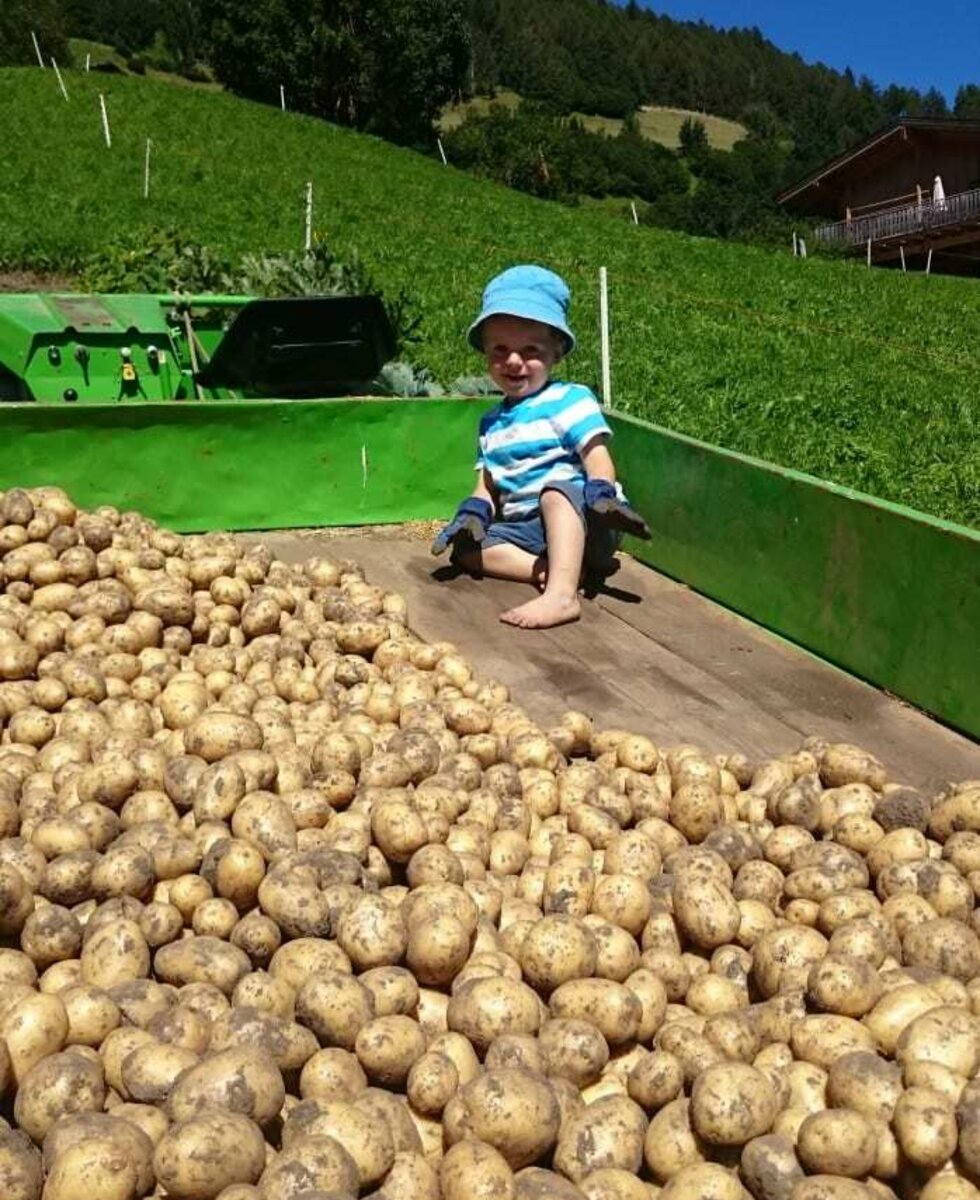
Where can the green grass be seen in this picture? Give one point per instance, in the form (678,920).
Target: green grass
(658,124)
(867,378)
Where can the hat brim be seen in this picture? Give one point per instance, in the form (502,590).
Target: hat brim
(527,306)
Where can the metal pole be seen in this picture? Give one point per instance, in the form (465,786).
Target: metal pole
(37,50)
(901,253)
(309,215)
(105,121)
(636,219)
(282,97)
(442,153)
(928,262)
(795,245)
(146,171)
(869,252)
(88,63)
(604,332)
(61,82)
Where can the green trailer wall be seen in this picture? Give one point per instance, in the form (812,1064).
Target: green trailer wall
(249,464)
(886,593)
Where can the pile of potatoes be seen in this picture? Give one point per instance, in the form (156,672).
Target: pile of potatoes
(293,907)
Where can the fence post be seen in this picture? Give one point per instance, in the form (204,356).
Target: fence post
(929,262)
(869,252)
(604,333)
(37,50)
(105,121)
(901,252)
(309,215)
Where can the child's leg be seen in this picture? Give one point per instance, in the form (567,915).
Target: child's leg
(565,535)
(504,561)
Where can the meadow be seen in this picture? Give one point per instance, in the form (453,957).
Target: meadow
(866,378)
(656,122)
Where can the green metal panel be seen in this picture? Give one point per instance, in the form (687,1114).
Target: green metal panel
(884,592)
(250,464)
(43,339)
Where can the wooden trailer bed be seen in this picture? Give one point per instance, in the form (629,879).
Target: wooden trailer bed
(649,655)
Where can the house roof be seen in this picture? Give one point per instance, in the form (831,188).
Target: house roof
(900,127)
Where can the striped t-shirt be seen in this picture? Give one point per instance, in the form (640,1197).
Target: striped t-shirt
(527,444)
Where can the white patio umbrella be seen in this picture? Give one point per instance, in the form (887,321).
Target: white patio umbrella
(938,192)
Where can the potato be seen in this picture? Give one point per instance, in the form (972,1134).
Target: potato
(866,1083)
(33,1028)
(558,948)
(116,953)
(671,1142)
(769,1167)
(242,1079)
(607,1133)
(837,1142)
(474,1170)
(925,1126)
(195,1159)
(706,912)
(57,1086)
(149,1072)
(335,1006)
(20,1167)
(99,1166)
(511,1110)
(202,960)
(432,1081)
(706,1181)
(215,734)
(611,1007)
(369,1143)
(314,1164)
(731,1104)
(71,1130)
(487,1008)
(822,1039)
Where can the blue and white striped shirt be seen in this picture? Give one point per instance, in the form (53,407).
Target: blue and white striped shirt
(528,444)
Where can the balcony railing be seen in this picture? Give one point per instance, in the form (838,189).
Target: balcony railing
(906,219)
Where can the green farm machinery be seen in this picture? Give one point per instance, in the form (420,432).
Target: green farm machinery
(102,349)
(220,412)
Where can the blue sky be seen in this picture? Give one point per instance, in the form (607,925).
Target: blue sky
(892,41)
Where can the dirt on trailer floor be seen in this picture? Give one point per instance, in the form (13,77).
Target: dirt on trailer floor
(648,655)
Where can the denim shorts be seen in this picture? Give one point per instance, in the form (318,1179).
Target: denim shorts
(527,533)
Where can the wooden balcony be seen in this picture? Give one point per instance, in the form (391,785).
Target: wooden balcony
(913,228)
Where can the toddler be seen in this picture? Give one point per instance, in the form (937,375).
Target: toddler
(546,502)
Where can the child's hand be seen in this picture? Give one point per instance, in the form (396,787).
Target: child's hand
(601,496)
(473,518)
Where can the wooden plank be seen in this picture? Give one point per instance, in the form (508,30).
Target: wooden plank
(808,695)
(651,655)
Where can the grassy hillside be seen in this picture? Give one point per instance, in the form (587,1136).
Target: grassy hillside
(864,377)
(656,123)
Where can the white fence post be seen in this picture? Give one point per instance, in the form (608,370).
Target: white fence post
(37,50)
(61,82)
(309,215)
(105,121)
(146,171)
(442,153)
(282,97)
(604,334)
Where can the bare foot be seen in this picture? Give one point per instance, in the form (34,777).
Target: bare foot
(544,612)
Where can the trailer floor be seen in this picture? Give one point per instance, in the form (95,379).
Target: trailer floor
(649,655)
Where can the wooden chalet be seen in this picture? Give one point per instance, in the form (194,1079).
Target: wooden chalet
(883,198)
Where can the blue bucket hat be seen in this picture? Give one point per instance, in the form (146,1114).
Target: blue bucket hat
(534,293)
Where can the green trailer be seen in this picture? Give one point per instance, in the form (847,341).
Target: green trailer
(216,412)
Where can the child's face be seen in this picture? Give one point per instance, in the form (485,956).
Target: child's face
(520,354)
